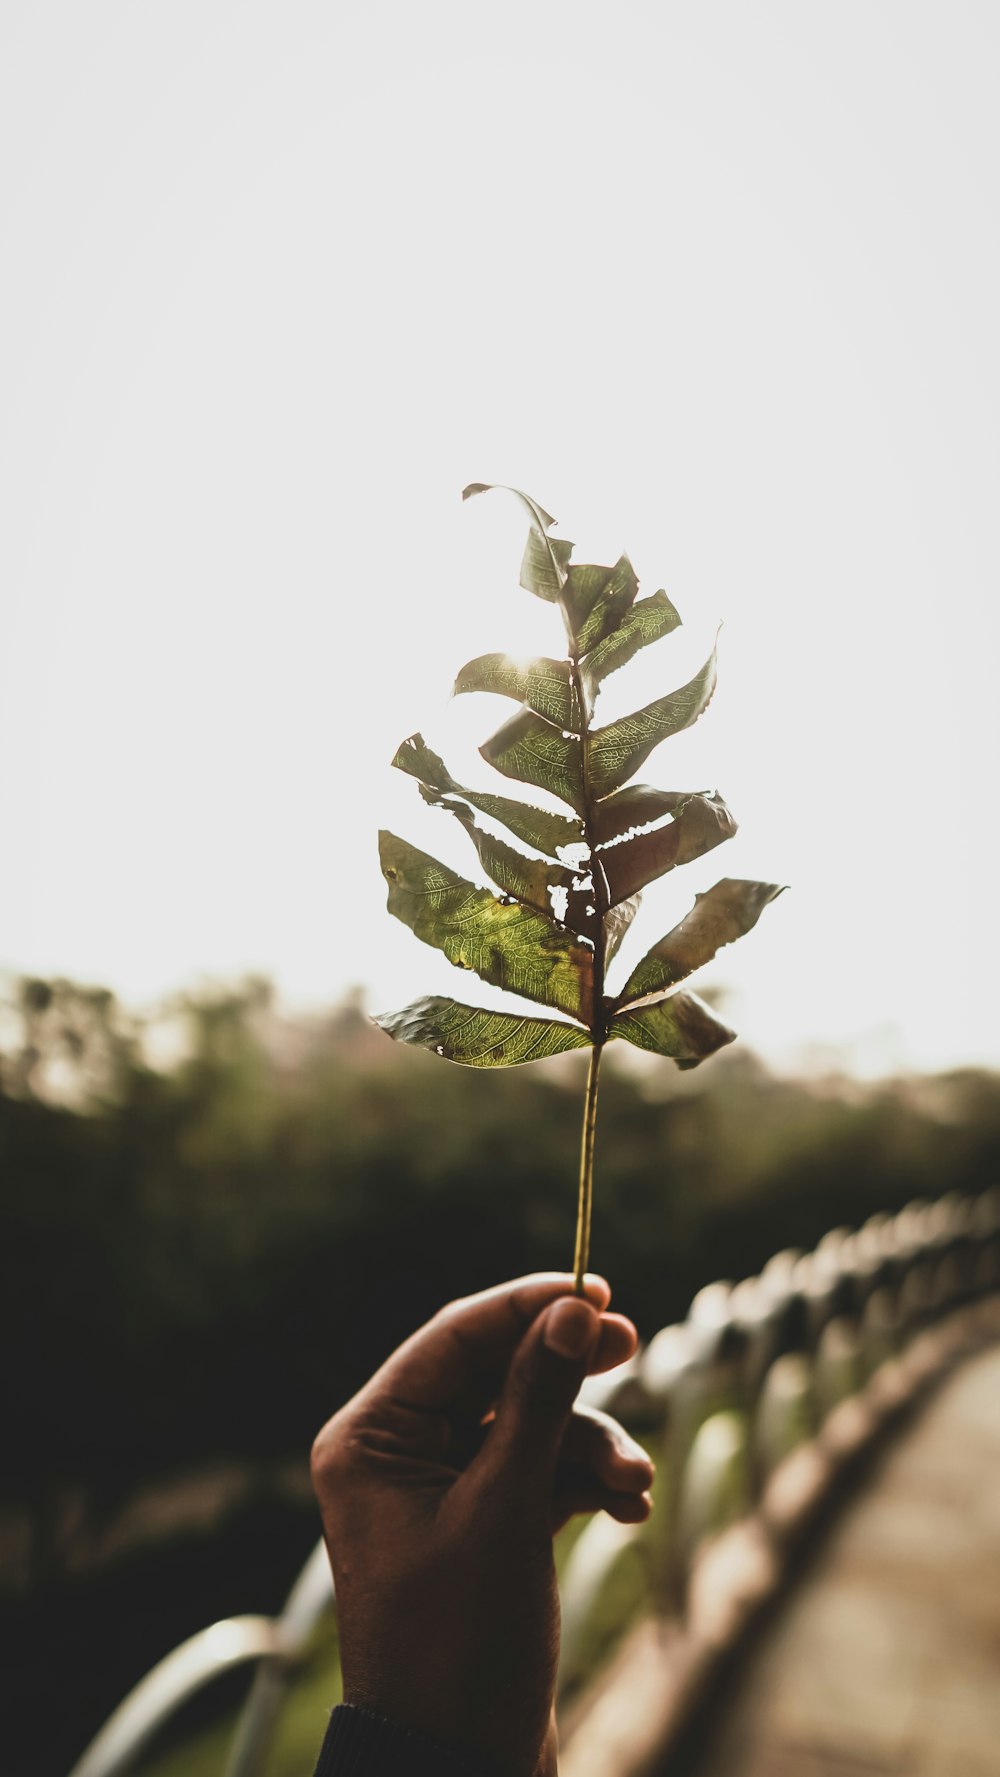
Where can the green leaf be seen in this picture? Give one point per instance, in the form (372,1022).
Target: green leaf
(544,685)
(533,751)
(645,623)
(549,888)
(506,944)
(544,564)
(543,569)
(528,880)
(478,1038)
(700,823)
(683,1028)
(597,599)
(550,833)
(552,889)
(718,917)
(618,750)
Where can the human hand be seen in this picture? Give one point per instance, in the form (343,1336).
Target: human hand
(440,1486)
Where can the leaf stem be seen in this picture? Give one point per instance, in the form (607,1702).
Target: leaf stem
(581,1255)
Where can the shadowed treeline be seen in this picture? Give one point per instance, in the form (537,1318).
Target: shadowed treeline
(203,1254)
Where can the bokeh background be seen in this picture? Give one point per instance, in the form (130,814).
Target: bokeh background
(719,286)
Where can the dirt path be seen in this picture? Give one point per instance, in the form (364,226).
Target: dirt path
(886,1659)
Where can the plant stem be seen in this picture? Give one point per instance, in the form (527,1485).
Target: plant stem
(582,1253)
(601,908)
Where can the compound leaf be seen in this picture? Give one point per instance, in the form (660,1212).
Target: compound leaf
(546,686)
(510,946)
(721,915)
(618,750)
(700,823)
(533,751)
(682,1028)
(645,623)
(549,833)
(478,1038)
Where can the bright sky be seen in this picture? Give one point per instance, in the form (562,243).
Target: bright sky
(718,284)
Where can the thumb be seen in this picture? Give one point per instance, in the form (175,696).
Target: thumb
(537,1398)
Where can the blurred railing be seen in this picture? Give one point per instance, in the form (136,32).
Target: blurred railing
(751,1406)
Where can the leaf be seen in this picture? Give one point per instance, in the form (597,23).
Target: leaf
(544,564)
(533,751)
(638,805)
(543,569)
(616,923)
(700,823)
(618,750)
(475,1037)
(554,890)
(506,944)
(528,880)
(718,917)
(646,622)
(550,833)
(682,1028)
(550,888)
(544,685)
(596,600)
(538,515)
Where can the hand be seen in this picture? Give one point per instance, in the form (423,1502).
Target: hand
(440,1486)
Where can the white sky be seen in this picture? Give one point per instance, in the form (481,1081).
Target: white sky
(718,283)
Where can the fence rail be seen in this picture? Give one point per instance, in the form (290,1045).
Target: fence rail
(750,1405)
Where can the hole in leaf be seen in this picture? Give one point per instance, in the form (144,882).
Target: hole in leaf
(559,898)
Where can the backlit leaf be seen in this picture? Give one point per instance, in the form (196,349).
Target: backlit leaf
(682,1028)
(550,833)
(510,946)
(700,823)
(718,917)
(618,750)
(543,569)
(616,924)
(544,564)
(646,622)
(638,805)
(477,1038)
(596,600)
(533,751)
(544,685)
(550,888)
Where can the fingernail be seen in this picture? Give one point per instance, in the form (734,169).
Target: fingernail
(570,1327)
(593,1281)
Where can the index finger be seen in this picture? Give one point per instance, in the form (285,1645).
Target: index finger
(456,1363)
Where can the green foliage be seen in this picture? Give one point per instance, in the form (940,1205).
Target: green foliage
(559,919)
(477,1037)
(201,1259)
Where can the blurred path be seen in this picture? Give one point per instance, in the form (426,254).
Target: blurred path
(886,1659)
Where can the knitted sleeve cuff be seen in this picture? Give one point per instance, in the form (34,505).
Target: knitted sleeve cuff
(359,1744)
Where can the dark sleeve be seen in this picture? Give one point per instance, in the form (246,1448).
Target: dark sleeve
(359,1744)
